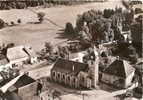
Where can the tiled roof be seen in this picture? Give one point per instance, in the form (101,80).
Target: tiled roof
(70,67)
(119,68)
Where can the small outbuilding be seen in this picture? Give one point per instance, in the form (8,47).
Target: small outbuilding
(24,89)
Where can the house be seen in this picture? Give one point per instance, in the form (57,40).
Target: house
(24,89)
(119,74)
(71,73)
(19,55)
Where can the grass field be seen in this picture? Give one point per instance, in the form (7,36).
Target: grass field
(36,34)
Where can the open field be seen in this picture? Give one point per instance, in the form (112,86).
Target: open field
(36,34)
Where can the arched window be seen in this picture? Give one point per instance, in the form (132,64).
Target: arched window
(54,74)
(58,75)
(82,79)
(68,78)
(74,80)
(63,76)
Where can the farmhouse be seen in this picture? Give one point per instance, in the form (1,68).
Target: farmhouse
(119,74)
(71,73)
(19,55)
(23,89)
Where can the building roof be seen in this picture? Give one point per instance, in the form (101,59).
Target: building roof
(120,68)
(70,67)
(30,51)
(23,81)
(16,53)
(3,61)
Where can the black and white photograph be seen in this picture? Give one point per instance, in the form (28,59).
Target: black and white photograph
(71,50)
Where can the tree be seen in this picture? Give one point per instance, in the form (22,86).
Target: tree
(2,23)
(129,17)
(87,17)
(136,34)
(10,45)
(69,28)
(96,29)
(108,13)
(48,47)
(132,54)
(79,23)
(12,23)
(40,16)
(20,5)
(63,52)
(19,21)
(108,32)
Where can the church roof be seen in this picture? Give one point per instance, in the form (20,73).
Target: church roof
(70,67)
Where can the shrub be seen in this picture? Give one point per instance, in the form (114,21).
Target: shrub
(19,21)
(48,47)
(2,23)
(12,23)
(20,5)
(12,5)
(108,13)
(10,45)
(41,15)
(69,28)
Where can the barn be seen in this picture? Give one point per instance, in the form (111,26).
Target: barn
(24,89)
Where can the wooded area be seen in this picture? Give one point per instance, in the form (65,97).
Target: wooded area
(21,4)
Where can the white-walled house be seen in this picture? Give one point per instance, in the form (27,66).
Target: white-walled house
(19,55)
(119,74)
